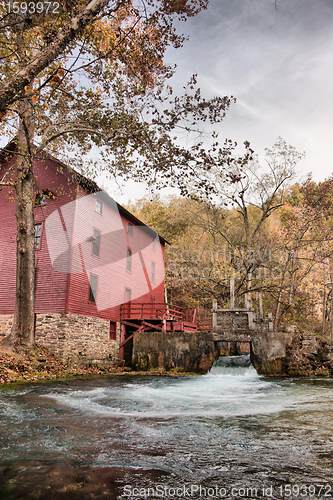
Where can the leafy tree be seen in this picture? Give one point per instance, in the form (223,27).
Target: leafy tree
(255,194)
(305,238)
(234,234)
(290,258)
(92,79)
(58,31)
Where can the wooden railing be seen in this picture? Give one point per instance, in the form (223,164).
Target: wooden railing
(205,327)
(151,310)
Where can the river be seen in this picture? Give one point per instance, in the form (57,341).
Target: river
(228,434)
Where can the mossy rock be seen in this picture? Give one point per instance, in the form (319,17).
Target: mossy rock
(322,371)
(273,367)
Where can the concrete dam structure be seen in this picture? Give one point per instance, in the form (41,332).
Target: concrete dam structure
(196,351)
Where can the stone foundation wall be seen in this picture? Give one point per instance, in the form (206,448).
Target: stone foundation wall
(78,340)
(6,322)
(268,351)
(309,356)
(182,351)
(74,339)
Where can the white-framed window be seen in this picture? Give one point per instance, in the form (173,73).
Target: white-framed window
(153,268)
(40,199)
(43,196)
(127,302)
(129,260)
(96,242)
(128,295)
(93,288)
(99,207)
(38,234)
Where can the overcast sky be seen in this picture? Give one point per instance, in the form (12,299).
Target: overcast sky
(278,63)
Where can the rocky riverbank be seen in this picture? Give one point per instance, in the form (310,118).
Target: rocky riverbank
(305,356)
(309,356)
(39,364)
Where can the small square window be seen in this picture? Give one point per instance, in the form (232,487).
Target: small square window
(113,330)
(93,288)
(127,303)
(130,229)
(43,196)
(40,199)
(129,260)
(96,242)
(99,207)
(128,295)
(38,233)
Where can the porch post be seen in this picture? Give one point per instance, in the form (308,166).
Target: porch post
(232,293)
(122,340)
(214,311)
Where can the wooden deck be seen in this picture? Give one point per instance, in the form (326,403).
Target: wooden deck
(165,317)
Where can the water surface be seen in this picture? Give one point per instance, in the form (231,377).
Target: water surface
(228,434)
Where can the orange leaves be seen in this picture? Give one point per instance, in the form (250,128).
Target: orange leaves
(31,93)
(55,80)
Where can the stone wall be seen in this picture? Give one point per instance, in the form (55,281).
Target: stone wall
(182,351)
(6,322)
(231,321)
(268,351)
(74,339)
(292,354)
(309,356)
(78,340)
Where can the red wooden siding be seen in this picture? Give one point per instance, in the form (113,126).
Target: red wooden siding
(65,260)
(7,249)
(110,266)
(51,284)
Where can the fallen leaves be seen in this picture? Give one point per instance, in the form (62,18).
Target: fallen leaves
(39,364)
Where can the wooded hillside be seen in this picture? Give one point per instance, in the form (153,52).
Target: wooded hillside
(287,257)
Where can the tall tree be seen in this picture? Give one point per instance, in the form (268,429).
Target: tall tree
(80,78)
(305,238)
(256,192)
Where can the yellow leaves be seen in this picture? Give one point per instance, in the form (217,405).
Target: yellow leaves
(103,35)
(31,93)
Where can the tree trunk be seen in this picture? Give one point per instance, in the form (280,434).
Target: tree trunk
(279,298)
(24,313)
(292,278)
(324,299)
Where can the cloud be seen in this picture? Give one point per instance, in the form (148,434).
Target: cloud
(277,62)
